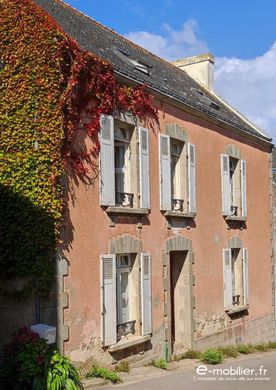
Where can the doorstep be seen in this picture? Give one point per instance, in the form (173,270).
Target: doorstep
(128,341)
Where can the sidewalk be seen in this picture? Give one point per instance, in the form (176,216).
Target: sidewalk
(142,373)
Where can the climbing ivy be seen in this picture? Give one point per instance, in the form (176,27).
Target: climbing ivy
(47,82)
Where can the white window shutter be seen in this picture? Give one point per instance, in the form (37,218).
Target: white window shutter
(191,178)
(227,268)
(245,275)
(107,170)
(225,180)
(165,172)
(108,294)
(144,168)
(146,294)
(243,189)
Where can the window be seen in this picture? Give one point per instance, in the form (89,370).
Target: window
(233,173)
(176,151)
(123,270)
(177,175)
(126,296)
(122,154)
(124,164)
(235,263)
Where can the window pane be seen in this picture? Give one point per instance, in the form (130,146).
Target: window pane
(123,297)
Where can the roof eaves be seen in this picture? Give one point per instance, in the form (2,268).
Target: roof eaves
(192,105)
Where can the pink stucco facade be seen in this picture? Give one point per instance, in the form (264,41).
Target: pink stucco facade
(89,232)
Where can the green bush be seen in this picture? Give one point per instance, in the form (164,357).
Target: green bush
(191,355)
(229,351)
(212,356)
(160,363)
(101,372)
(261,347)
(245,349)
(62,374)
(27,362)
(122,366)
(271,345)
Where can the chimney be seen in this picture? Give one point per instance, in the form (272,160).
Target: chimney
(200,67)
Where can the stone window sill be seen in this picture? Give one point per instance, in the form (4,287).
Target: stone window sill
(235,219)
(126,210)
(238,309)
(128,341)
(179,214)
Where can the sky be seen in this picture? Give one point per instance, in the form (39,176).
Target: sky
(241,34)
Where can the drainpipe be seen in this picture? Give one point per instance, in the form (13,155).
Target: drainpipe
(166,352)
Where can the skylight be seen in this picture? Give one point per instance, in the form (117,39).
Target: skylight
(205,99)
(137,64)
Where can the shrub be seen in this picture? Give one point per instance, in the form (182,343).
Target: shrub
(212,356)
(101,372)
(29,363)
(160,363)
(245,349)
(122,366)
(261,347)
(271,345)
(229,351)
(62,374)
(191,355)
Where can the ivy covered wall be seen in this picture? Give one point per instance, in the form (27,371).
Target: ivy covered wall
(46,82)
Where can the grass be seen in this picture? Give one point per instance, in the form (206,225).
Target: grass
(101,372)
(122,366)
(229,351)
(191,354)
(245,349)
(212,356)
(216,355)
(160,363)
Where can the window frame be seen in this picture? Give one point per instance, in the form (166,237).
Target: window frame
(137,199)
(234,197)
(231,305)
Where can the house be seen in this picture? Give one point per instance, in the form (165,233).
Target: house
(171,247)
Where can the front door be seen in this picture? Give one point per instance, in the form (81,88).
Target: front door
(180,301)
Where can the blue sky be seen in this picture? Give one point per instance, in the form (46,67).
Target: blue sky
(241,34)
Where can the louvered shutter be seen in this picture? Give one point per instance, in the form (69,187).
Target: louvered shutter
(165,172)
(243,189)
(227,268)
(108,292)
(225,180)
(144,168)
(107,171)
(245,276)
(146,294)
(191,178)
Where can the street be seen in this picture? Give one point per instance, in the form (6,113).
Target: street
(254,373)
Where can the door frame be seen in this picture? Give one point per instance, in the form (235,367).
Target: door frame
(175,244)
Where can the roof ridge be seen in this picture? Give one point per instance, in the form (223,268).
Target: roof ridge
(126,39)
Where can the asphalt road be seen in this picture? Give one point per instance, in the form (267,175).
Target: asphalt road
(254,373)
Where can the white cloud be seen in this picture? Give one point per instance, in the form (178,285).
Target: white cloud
(171,44)
(248,85)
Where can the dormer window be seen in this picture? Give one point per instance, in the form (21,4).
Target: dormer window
(137,63)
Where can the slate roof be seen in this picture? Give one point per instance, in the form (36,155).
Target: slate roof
(163,76)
